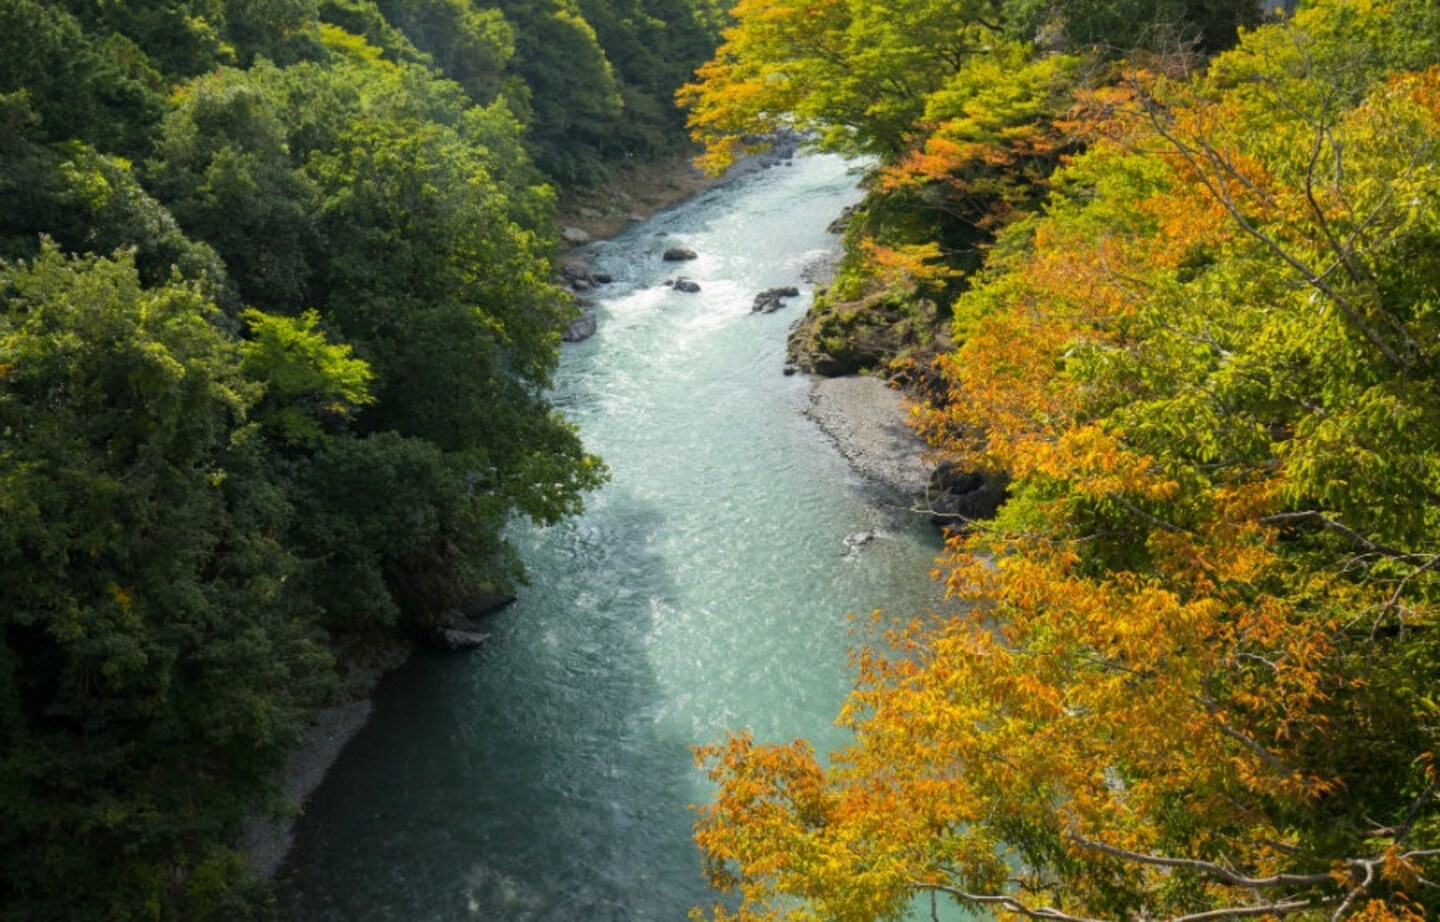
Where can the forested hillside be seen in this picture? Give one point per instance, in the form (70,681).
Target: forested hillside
(1191,281)
(276,323)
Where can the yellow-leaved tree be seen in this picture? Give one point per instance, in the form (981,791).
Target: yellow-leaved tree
(1197,676)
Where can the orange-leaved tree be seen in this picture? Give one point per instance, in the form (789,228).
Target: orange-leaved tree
(1196,677)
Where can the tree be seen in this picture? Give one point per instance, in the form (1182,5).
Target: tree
(854,71)
(1192,677)
(154,668)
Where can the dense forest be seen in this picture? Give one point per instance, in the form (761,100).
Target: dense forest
(276,323)
(1172,269)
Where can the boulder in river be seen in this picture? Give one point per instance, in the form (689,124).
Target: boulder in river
(580,329)
(842,222)
(574,235)
(454,638)
(679,254)
(572,270)
(689,286)
(853,543)
(772,299)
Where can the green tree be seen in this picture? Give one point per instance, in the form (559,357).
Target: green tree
(155,667)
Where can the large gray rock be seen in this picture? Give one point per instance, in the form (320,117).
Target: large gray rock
(574,235)
(690,286)
(772,299)
(580,329)
(679,254)
(574,269)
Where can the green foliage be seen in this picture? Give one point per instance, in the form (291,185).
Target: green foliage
(78,86)
(276,327)
(469,44)
(156,667)
(308,380)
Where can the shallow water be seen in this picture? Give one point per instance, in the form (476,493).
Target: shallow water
(549,776)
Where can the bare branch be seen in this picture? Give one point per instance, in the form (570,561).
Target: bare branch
(1354,893)
(1048,913)
(1309,516)
(1278,908)
(1205,867)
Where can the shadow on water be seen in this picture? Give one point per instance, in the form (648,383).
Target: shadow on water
(562,760)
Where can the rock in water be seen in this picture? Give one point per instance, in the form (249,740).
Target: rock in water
(454,638)
(771,299)
(679,254)
(574,235)
(690,286)
(580,329)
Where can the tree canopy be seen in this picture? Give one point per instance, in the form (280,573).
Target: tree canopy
(276,328)
(1194,675)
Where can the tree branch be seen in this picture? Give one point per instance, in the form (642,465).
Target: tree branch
(1355,538)
(1048,913)
(1204,867)
(1216,187)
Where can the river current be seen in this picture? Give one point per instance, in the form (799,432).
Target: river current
(549,775)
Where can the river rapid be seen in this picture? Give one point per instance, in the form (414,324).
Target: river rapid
(549,776)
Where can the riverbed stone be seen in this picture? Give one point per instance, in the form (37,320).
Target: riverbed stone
(772,299)
(581,328)
(454,638)
(679,254)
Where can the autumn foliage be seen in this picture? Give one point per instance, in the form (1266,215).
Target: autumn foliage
(1195,675)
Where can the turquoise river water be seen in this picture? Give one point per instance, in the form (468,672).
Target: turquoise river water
(549,776)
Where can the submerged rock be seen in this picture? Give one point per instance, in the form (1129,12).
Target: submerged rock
(454,638)
(859,539)
(690,286)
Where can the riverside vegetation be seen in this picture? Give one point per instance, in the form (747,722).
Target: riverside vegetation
(276,323)
(1180,283)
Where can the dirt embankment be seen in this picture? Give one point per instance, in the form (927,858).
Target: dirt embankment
(632,194)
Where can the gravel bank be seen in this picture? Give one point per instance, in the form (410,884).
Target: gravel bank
(265,841)
(867,421)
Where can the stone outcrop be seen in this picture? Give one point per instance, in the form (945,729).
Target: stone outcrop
(772,299)
(955,496)
(838,337)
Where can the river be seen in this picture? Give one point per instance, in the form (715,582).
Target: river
(549,776)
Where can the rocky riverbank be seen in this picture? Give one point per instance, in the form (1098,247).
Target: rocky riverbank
(867,421)
(633,194)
